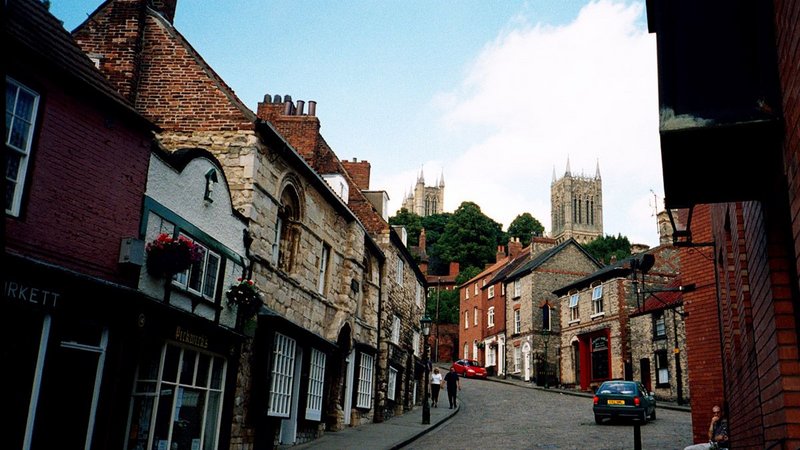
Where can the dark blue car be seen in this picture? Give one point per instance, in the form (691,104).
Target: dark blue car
(629,399)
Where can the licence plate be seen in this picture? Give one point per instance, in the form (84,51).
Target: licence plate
(616,402)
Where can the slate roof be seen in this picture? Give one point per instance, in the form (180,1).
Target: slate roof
(662,300)
(543,257)
(521,259)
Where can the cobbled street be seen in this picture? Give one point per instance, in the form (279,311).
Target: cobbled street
(496,415)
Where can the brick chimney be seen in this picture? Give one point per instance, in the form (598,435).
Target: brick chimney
(453,269)
(166,8)
(359,171)
(501,253)
(540,244)
(301,130)
(514,247)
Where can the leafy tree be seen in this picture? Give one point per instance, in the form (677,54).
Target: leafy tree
(411,221)
(604,247)
(449,306)
(469,238)
(523,227)
(466,275)
(434,226)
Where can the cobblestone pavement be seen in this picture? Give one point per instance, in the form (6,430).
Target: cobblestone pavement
(499,415)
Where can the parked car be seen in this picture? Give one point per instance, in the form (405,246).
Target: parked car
(619,398)
(469,368)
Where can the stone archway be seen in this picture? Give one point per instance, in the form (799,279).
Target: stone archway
(340,366)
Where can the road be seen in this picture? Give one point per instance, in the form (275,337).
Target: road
(496,415)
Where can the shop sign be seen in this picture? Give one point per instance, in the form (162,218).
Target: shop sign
(30,294)
(187,337)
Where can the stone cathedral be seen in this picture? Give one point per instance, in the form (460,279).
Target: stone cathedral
(576,206)
(425,200)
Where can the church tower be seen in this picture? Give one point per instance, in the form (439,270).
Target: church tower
(576,206)
(425,200)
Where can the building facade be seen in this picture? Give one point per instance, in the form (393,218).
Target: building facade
(738,222)
(576,206)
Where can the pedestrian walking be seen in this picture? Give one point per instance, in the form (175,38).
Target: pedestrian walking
(453,386)
(436,384)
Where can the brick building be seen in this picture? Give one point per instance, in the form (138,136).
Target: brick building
(738,221)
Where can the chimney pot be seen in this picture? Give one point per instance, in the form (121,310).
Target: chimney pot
(277,99)
(300,107)
(267,98)
(287,107)
(312,108)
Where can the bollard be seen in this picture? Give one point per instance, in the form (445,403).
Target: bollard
(637,437)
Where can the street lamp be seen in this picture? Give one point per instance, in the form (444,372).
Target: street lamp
(425,324)
(546,337)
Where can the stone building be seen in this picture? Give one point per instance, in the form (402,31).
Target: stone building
(595,342)
(576,206)
(658,344)
(738,221)
(312,364)
(532,310)
(425,200)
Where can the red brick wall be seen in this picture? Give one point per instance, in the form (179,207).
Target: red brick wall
(82,156)
(448,342)
(359,171)
(702,326)
(167,81)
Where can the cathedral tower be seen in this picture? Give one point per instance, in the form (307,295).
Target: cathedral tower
(425,200)
(576,206)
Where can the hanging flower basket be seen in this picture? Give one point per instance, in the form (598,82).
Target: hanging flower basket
(167,256)
(481,345)
(245,295)
(493,344)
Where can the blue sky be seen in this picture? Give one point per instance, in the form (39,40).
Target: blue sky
(495,96)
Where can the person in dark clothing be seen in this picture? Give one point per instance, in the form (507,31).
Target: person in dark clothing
(453,386)
(717,432)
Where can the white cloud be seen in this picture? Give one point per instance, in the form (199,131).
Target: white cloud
(540,94)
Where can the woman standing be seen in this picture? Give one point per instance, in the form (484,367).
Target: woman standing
(436,384)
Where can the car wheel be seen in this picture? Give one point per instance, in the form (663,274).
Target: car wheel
(643,417)
(653,416)
(598,420)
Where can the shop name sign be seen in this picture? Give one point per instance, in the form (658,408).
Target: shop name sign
(30,294)
(187,337)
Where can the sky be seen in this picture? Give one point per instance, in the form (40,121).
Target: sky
(495,97)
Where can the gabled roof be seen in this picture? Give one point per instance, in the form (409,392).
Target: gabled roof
(497,265)
(621,268)
(546,255)
(511,266)
(32,33)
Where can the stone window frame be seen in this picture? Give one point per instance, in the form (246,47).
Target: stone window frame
(19,142)
(288,225)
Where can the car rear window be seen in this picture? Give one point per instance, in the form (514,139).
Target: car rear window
(617,388)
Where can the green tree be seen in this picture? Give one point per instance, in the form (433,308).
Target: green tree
(411,221)
(448,304)
(434,226)
(523,227)
(603,248)
(469,238)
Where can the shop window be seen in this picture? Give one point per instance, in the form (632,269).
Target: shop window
(364,396)
(316,382)
(177,399)
(280,393)
(391,387)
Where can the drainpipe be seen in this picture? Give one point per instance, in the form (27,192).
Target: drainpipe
(377,417)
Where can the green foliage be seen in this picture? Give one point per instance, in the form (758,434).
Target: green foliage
(603,248)
(469,238)
(448,306)
(467,274)
(411,221)
(523,227)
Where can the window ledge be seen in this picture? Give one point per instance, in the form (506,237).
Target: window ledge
(574,321)
(598,315)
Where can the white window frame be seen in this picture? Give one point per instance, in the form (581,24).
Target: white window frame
(597,300)
(660,322)
(280,392)
(490,317)
(502,289)
(316,384)
(419,295)
(415,343)
(517,359)
(491,356)
(476,289)
(466,293)
(324,258)
(549,324)
(365,379)
(396,330)
(475,315)
(574,312)
(25,138)
(199,272)
(466,350)
(517,321)
(517,288)
(490,291)
(391,386)
(466,320)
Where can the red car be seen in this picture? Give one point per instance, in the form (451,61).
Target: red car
(469,368)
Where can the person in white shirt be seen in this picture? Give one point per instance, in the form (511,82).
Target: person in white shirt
(436,384)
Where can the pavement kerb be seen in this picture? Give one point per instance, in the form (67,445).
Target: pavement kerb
(427,430)
(529,385)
